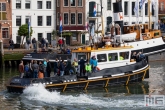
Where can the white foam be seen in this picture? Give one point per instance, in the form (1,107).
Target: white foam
(41,94)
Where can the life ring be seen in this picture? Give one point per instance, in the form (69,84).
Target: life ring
(97,68)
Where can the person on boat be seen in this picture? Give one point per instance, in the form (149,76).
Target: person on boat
(61,68)
(69,69)
(35,67)
(56,67)
(133,56)
(68,51)
(141,56)
(45,66)
(93,62)
(21,69)
(40,70)
(48,68)
(75,65)
(121,57)
(27,70)
(31,69)
(82,66)
(88,68)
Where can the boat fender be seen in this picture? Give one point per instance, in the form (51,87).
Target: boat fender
(74,80)
(50,82)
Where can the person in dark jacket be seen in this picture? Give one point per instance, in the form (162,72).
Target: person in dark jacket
(34,43)
(48,68)
(82,66)
(61,68)
(11,44)
(43,43)
(56,67)
(28,44)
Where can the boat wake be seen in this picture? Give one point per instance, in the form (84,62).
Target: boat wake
(39,93)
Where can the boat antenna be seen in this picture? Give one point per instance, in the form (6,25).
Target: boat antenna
(102,18)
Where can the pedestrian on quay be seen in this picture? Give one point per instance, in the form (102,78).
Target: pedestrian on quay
(34,43)
(21,69)
(28,44)
(11,44)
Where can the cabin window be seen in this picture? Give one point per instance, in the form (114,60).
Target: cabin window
(102,57)
(124,55)
(112,57)
(156,33)
(83,55)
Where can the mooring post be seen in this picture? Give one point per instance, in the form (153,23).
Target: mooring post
(1,53)
(1,47)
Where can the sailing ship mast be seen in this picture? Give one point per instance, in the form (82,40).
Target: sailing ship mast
(149,14)
(102,19)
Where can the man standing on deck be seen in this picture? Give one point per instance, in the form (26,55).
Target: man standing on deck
(21,69)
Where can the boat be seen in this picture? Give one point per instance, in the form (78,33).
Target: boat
(115,67)
(111,71)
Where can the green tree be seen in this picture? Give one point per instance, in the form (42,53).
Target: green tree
(23,31)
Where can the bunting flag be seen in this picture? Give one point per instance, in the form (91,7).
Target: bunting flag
(86,26)
(136,8)
(60,24)
(94,11)
(141,4)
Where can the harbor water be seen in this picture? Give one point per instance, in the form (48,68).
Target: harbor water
(112,98)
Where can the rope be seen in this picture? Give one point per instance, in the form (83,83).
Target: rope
(157,60)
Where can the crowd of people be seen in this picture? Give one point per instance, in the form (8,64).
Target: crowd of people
(41,69)
(138,56)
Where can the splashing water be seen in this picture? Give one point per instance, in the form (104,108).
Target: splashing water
(41,94)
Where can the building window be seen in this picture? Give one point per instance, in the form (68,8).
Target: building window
(146,9)
(18,4)
(153,11)
(66,18)
(39,20)
(57,1)
(108,4)
(91,8)
(79,18)
(39,4)
(75,36)
(112,57)
(27,19)
(49,36)
(65,2)
(133,5)
(102,57)
(73,19)
(48,20)
(27,5)
(40,35)
(18,20)
(18,39)
(73,2)
(124,55)
(5,32)
(3,11)
(58,18)
(109,21)
(79,2)
(125,8)
(48,4)
(161,6)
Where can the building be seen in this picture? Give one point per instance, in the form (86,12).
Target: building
(162,10)
(73,17)
(129,17)
(42,14)
(5,20)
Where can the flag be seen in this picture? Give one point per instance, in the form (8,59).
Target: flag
(136,8)
(94,11)
(141,3)
(60,24)
(29,25)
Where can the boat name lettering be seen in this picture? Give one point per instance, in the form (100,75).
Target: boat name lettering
(28,56)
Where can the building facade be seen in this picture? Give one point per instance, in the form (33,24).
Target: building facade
(128,14)
(42,15)
(5,20)
(162,10)
(73,17)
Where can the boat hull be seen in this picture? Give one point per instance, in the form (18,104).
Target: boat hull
(136,73)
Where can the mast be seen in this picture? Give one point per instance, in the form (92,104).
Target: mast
(149,14)
(102,19)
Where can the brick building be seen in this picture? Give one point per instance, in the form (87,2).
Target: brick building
(5,20)
(162,10)
(73,20)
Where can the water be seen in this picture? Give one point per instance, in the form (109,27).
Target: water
(112,98)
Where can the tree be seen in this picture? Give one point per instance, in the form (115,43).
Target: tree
(23,31)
